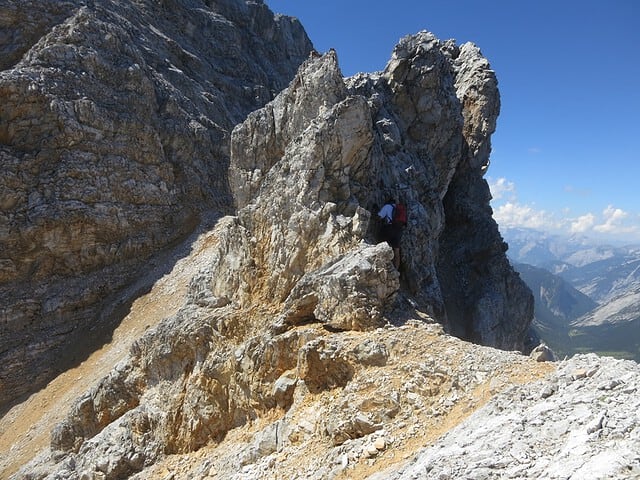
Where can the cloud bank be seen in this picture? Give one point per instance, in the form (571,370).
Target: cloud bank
(611,223)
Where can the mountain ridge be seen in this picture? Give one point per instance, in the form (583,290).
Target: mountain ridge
(279,339)
(114,134)
(607,275)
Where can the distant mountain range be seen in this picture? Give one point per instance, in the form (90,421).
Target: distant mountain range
(587,294)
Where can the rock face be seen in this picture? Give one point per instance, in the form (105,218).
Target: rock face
(418,131)
(114,136)
(296,280)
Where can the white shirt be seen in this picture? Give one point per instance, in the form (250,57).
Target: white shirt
(386,212)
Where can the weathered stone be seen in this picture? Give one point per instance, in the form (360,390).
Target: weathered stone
(114,127)
(356,426)
(567,435)
(542,353)
(380,443)
(371,353)
(338,162)
(323,365)
(283,390)
(350,294)
(371,450)
(266,441)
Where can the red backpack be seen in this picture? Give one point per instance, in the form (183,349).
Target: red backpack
(399,214)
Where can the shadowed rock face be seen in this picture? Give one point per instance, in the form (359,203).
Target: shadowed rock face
(114,136)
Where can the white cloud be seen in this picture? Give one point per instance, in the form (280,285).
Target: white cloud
(500,187)
(517,215)
(583,223)
(613,219)
(613,223)
(511,213)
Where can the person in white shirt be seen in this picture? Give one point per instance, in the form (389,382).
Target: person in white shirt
(390,232)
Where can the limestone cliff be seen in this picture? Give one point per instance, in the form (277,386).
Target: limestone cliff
(123,124)
(115,120)
(327,151)
(114,138)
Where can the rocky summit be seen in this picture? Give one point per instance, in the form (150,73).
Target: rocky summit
(194,179)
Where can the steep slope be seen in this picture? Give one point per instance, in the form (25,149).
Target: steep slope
(114,136)
(26,428)
(409,386)
(613,328)
(557,305)
(542,249)
(570,322)
(610,329)
(606,279)
(609,276)
(287,345)
(598,270)
(558,299)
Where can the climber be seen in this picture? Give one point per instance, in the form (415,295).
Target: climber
(391,228)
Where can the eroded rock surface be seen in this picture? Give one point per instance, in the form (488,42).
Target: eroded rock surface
(582,422)
(327,152)
(114,136)
(297,337)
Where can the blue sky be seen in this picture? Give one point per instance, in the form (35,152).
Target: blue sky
(565,153)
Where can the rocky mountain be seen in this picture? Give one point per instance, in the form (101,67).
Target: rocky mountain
(608,278)
(612,328)
(558,298)
(542,249)
(274,337)
(592,304)
(114,139)
(115,129)
(599,270)
(556,305)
